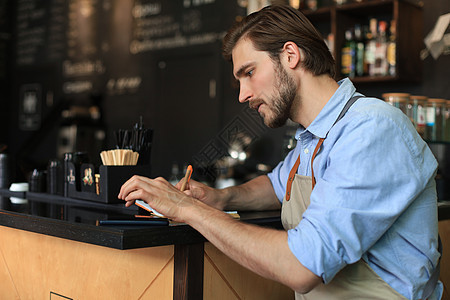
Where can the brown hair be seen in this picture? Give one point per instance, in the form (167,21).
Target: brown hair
(271,27)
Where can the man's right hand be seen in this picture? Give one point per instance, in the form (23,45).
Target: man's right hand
(206,194)
(256,194)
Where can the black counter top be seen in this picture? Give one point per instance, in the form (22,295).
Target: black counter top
(78,220)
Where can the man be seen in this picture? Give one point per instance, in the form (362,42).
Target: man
(358,195)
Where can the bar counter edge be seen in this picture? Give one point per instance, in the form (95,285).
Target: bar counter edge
(118,237)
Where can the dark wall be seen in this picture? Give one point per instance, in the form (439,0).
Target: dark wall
(156,59)
(5,52)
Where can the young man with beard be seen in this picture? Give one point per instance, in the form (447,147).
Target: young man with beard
(357,193)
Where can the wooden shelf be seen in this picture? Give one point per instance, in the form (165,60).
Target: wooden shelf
(322,13)
(336,19)
(375,79)
(366,7)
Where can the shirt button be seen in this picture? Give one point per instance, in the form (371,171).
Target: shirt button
(306,151)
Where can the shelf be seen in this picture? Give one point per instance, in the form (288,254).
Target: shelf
(408,16)
(364,7)
(374,79)
(320,14)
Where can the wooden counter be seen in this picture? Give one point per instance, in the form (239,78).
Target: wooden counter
(51,248)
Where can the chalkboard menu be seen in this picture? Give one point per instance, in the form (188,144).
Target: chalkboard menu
(174,24)
(86,39)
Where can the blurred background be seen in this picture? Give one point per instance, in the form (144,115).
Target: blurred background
(72,73)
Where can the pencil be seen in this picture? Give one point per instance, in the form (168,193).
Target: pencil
(187,177)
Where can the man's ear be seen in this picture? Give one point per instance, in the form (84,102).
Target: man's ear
(292,54)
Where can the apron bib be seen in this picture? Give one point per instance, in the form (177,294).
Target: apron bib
(355,281)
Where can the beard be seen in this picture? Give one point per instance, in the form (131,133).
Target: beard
(281,102)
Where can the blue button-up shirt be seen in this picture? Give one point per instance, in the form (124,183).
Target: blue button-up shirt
(374,198)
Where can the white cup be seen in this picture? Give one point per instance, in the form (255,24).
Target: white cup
(18,187)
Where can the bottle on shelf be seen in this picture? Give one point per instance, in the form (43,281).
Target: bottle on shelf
(348,52)
(381,65)
(367,37)
(391,50)
(371,46)
(359,51)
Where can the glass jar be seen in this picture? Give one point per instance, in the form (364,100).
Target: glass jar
(435,118)
(399,100)
(418,104)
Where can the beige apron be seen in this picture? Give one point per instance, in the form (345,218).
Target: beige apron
(356,281)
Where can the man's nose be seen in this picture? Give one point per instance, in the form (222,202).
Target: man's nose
(244,93)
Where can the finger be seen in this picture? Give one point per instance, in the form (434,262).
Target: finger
(188,192)
(179,184)
(132,184)
(160,184)
(191,183)
(129,203)
(138,194)
(125,188)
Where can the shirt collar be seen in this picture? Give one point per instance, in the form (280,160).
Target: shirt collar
(330,112)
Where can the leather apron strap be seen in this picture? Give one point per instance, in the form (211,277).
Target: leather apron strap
(319,144)
(294,169)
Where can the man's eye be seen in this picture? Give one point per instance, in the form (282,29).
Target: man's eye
(250,73)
